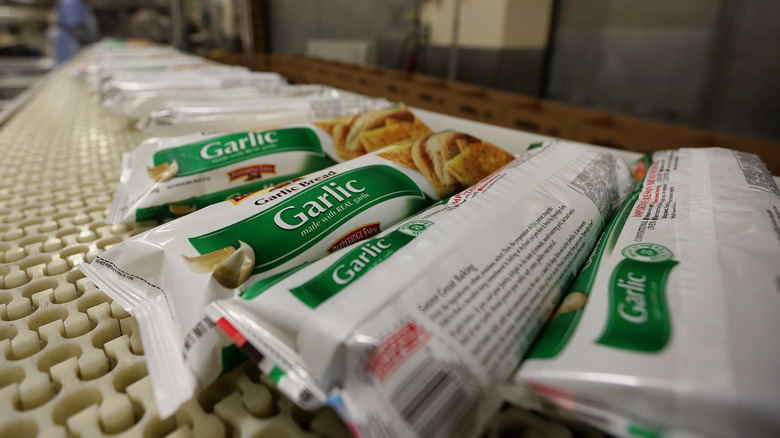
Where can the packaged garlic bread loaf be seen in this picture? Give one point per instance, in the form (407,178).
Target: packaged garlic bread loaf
(171,176)
(126,80)
(265,318)
(168,275)
(222,77)
(95,72)
(670,330)
(136,104)
(187,117)
(409,333)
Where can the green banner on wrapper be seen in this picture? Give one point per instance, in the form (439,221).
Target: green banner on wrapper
(350,267)
(555,336)
(286,230)
(638,317)
(226,150)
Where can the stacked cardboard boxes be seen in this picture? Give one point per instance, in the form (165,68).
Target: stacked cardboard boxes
(506,109)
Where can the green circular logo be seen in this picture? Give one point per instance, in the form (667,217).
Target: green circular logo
(415,228)
(647,252)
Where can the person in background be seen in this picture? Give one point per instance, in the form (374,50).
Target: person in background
(76,26)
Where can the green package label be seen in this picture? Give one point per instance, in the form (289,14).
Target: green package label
(229,149)
(288,229)
(276,374)
(263,285)
(355,263)
(643,432)
(561,328)
(638,317)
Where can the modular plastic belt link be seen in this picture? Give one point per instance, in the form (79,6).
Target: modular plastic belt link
(71,360)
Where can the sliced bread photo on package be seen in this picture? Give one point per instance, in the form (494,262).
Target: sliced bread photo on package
(409,333)
(670,330)
(166,177)
(167,276)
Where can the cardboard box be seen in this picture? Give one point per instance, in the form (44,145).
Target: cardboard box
(543,117)
(506,109)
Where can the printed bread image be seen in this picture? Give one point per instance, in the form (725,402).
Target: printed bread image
(358,135)
(451,161)
(163,172)
(180,210)
(229,266)
(401,153)
(572,302)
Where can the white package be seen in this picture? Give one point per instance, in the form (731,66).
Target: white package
(168,275)
(180,118)
(416,345)
(122,78)
(166,177)
(677,333)
(194,80)
(93,73)
(137,104)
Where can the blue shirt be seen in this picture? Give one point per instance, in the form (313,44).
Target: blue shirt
(76,25)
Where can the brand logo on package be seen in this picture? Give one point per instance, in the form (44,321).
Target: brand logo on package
(638,312)
(415,228)
(226,150)
(251,173)
(356,235)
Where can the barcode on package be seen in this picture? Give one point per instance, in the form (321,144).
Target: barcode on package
(198,331)
(756,173)
(435,399)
